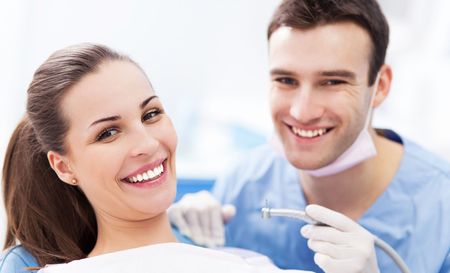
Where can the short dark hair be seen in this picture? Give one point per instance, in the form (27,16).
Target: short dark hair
(304,14)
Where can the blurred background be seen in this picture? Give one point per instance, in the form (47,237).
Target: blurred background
(207,60)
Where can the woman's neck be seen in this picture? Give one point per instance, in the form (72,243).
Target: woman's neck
(119,234)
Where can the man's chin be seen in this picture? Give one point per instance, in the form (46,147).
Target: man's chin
(305,163)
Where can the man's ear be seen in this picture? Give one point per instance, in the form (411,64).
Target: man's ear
(384,85)
(60,164)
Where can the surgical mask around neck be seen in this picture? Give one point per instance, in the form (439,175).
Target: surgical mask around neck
(362,149)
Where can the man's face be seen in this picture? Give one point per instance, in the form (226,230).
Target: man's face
(319,90)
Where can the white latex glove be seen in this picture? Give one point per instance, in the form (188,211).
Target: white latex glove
(343,245)
(200,217)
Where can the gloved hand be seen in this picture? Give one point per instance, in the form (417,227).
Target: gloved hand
(343,245)
(200,217)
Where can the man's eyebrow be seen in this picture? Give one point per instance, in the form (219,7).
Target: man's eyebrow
(146,101)
(278,71)
(339,73)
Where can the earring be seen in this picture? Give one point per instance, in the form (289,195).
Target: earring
(74,181)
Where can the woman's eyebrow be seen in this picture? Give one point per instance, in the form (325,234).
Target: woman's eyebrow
(112,118)
(146,101)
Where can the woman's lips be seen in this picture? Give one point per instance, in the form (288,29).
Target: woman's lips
(147,173)
(158,180)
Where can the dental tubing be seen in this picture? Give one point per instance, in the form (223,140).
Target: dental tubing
(267,213)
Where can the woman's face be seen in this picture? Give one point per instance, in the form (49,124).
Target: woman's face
(121,144)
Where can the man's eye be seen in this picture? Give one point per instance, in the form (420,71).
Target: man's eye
(286,81)
(333,82)
(107,133)
(151,114)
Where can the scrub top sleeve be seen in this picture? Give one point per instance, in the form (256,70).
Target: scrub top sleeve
(446,266)
(222,187)
(219,189)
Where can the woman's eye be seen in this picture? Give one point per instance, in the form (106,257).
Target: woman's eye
(107,133)
(151,114)
(286,81)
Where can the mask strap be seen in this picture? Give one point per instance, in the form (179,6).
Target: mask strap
(372,99)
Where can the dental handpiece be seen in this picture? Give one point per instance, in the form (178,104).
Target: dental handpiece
(267,213)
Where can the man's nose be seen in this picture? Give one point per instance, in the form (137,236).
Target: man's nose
(306,106)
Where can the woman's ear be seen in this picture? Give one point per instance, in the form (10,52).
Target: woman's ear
(60,164)
(384,85)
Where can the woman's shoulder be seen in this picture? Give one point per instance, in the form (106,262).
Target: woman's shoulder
(16,259)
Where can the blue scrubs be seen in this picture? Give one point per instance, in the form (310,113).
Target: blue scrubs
(16,259)
(412,215)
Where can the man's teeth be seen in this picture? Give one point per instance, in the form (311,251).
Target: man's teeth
(308,133)
(148,175)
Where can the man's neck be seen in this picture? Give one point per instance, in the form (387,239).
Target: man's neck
(353,191)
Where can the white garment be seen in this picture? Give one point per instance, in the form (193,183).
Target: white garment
(168,257)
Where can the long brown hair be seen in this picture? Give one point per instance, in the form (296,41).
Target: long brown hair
(53,220)
(306,14)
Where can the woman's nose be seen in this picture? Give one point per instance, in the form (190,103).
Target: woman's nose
(143,142)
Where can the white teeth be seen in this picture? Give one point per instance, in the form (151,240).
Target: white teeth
(308,133)
(148,175)
(145,176)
